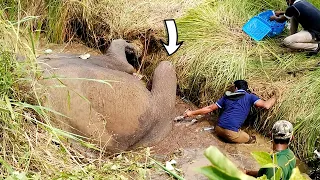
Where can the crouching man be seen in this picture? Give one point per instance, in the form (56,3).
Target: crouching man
(303,12)
(235,108)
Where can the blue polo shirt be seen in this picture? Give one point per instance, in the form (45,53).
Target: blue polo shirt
(235,112)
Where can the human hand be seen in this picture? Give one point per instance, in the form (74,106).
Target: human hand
(187,113)
(278,13)
(272,18)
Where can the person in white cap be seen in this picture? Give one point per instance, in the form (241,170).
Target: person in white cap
(282,134)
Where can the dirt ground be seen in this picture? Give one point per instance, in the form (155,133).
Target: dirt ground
(187,142)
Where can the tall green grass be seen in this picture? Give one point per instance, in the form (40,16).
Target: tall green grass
(30,147)
(21,141)
(301,106)
(216,52)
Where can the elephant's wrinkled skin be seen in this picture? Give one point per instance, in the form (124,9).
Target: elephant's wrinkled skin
(118,117)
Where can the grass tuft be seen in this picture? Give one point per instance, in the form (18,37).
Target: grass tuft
(216,52)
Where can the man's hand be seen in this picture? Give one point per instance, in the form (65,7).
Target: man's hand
(202,111)
(278,13)
(280,18)
(188,113)
(272,18)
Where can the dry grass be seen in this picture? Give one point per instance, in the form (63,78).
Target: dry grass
(138,16)
(216,52)
(29,146)
(96,22)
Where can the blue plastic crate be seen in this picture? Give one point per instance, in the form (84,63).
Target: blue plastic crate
(276,27)
(256,26)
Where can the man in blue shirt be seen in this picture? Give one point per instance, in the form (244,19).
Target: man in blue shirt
(303,12)
(235,109)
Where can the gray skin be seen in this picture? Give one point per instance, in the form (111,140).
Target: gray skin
(115,117)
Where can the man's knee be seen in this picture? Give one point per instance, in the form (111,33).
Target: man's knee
(288,41)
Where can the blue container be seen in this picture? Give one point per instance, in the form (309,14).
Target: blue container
(257,21)
(256,29)
(276,27)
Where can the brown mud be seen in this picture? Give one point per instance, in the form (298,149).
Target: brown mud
(186,143)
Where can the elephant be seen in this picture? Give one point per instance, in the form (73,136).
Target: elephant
(99,98)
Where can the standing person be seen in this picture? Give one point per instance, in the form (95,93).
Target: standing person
(282,133)
(301,11)
(235,109)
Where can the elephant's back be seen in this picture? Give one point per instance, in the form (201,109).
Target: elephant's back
(124,99)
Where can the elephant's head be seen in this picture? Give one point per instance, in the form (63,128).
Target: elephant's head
(122,56)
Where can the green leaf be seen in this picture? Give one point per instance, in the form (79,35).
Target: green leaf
(264,177)
(220,161)
(262,158)
(38,109)
(214,173)
(296,175)
(6,165)
(222,164)
(270,165)
(28,18)
(274,158)
(168,171)
(8,103)
(278,174)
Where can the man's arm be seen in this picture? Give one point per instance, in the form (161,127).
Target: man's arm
(280,19)
(278,13)
(266,104)
(201,111)
(289,13)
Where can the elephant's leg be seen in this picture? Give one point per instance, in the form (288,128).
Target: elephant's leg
(164,95)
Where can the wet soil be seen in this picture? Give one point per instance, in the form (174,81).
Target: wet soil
(187,142)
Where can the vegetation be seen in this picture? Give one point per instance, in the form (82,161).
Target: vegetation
(222,168)
(29,146)
(215,53)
